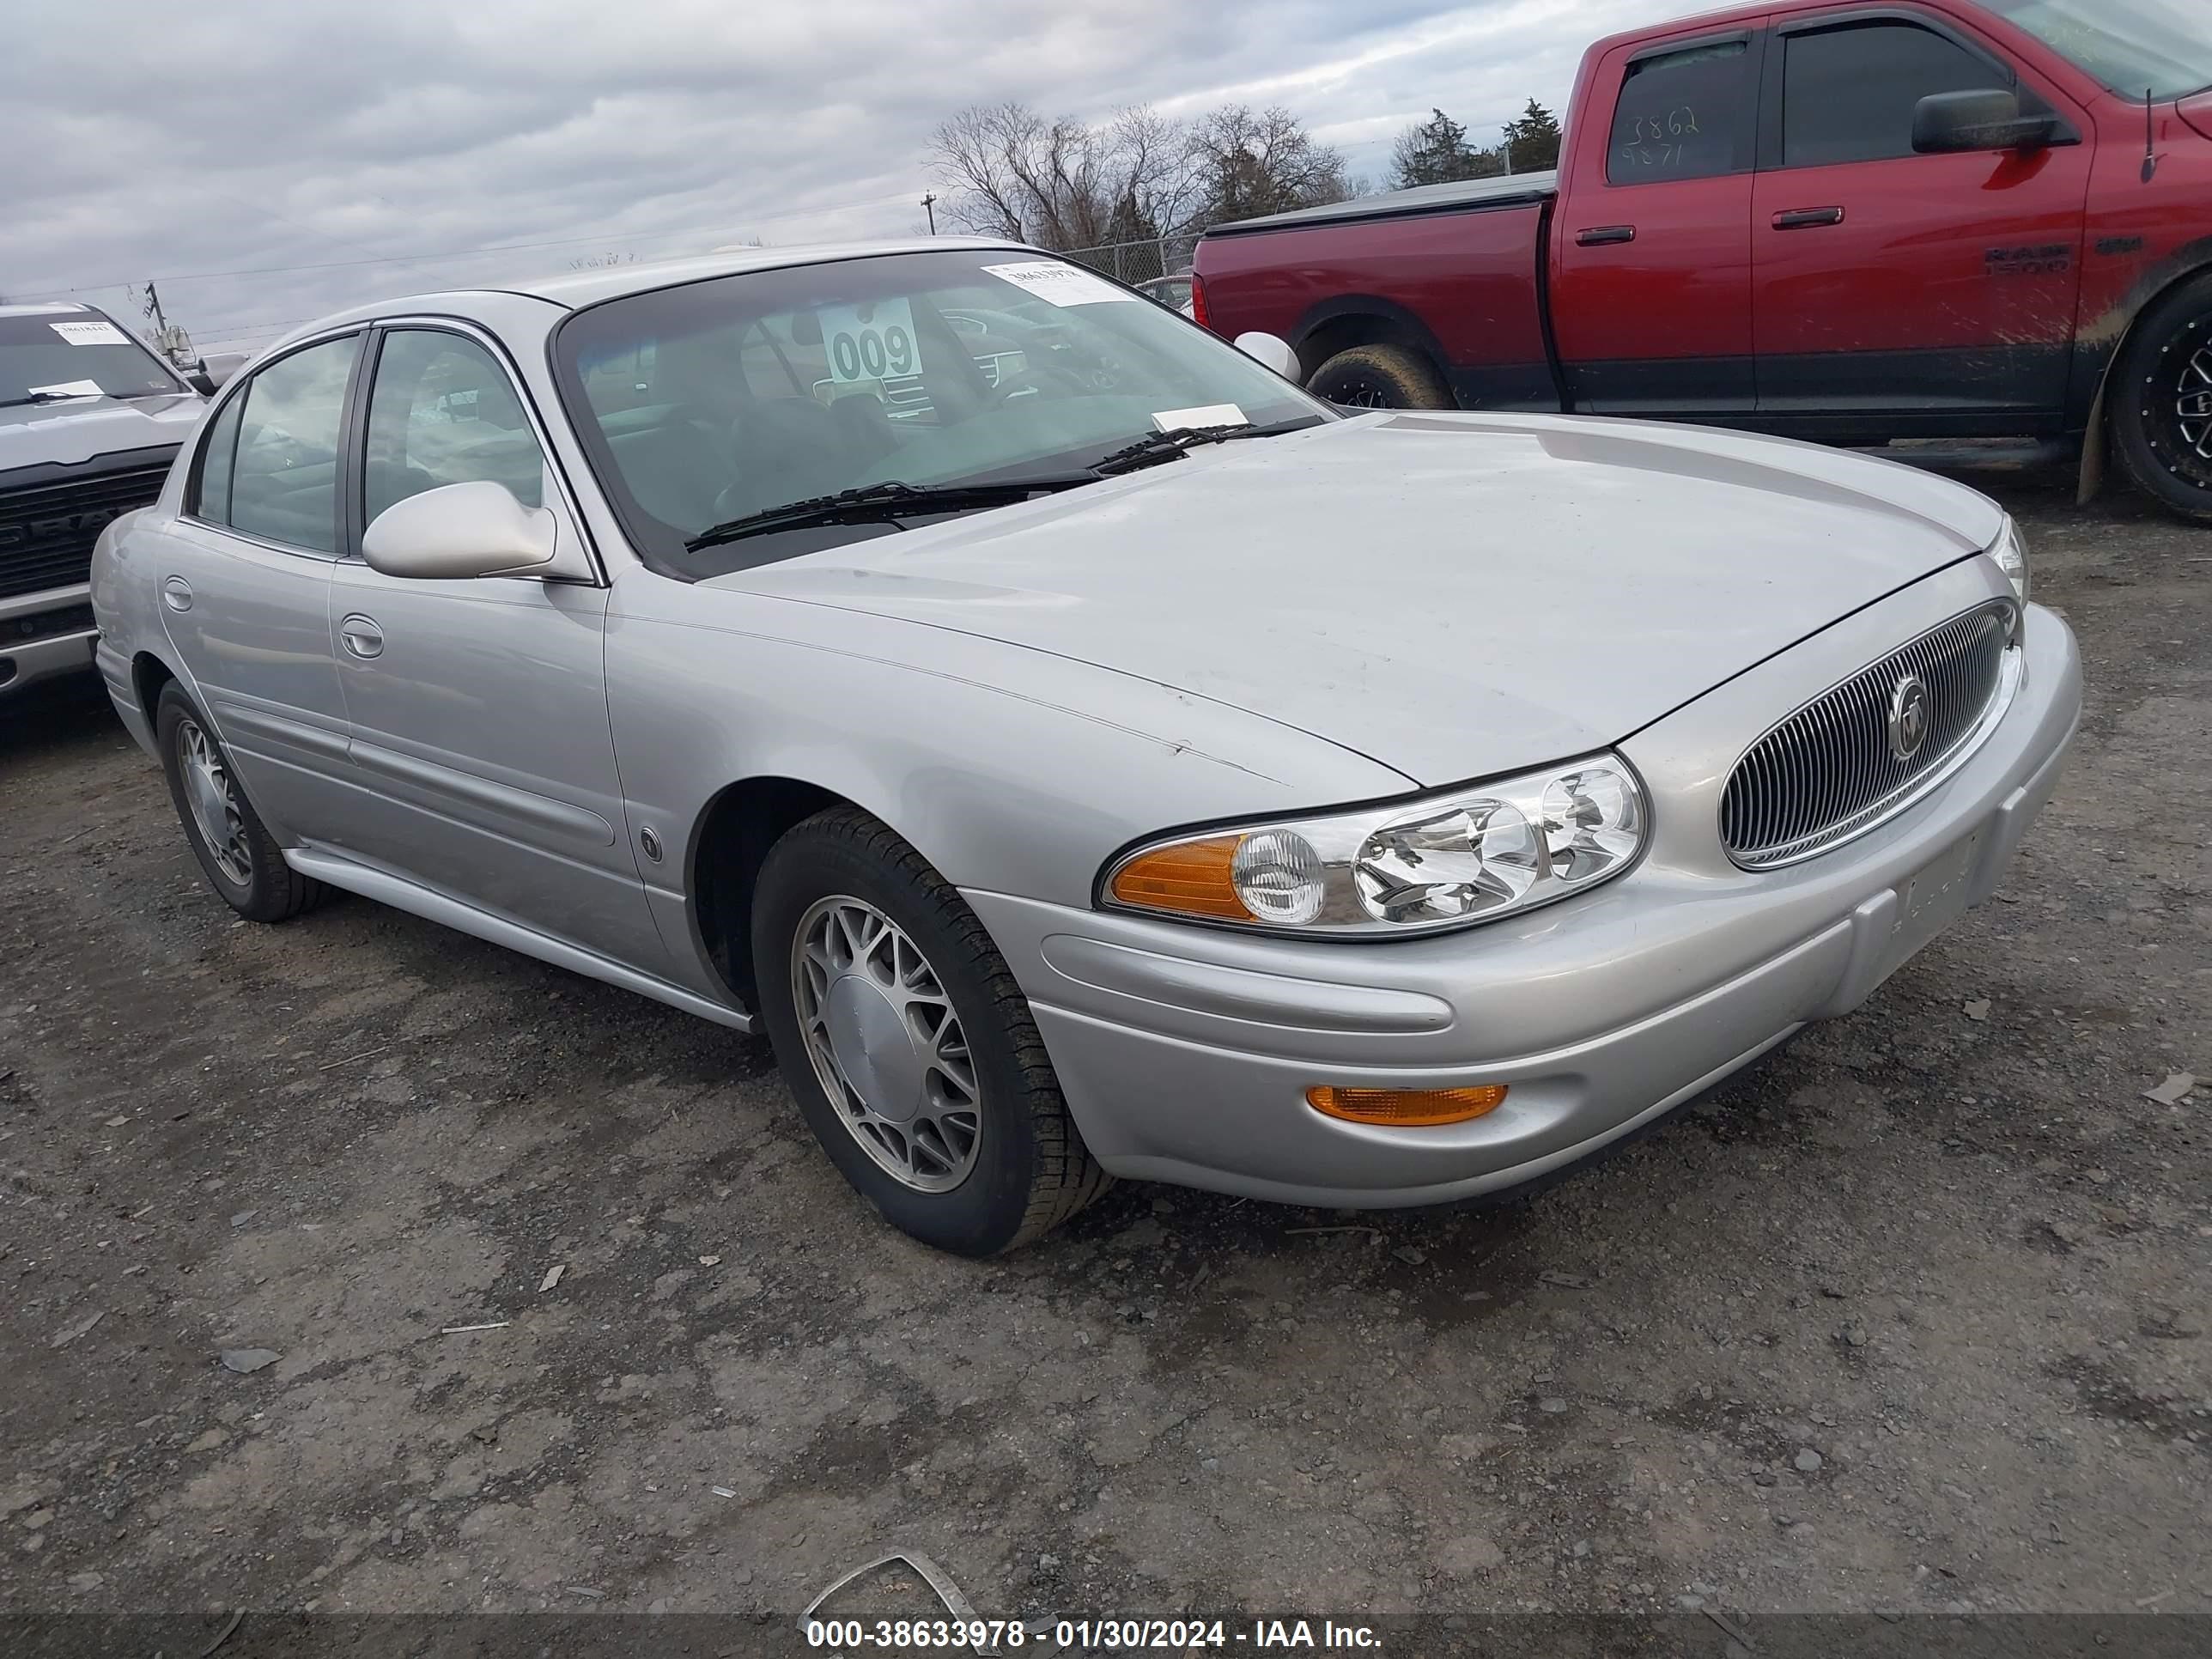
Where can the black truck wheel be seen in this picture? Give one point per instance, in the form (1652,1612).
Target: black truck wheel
(2161,401)
(1380,377)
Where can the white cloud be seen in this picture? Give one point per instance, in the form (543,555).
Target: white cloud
(186,142)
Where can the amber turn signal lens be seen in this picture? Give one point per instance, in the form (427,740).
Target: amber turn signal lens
(1407,1109)
(1192,878)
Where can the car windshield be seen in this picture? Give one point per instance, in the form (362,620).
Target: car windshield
(75,353)
(2133,46)
(720,399)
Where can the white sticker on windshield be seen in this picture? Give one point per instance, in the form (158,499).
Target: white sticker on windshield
(1191,420)
(1060,283)
(69,389)
(871,342)
(90,334)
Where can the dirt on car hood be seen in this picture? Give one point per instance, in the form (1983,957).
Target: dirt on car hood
(1452,595)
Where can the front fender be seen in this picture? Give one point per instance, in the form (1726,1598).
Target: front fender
(1011,770)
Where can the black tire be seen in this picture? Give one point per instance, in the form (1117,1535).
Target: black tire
(1380,377)
(271,890)
(2167,454)
(1031,1171)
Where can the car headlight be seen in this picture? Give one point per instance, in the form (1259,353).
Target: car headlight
(1449,860)
(2010,552)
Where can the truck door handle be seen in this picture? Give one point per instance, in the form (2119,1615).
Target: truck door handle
(1606,236)
(361,637)
(1808,218)
(177,593)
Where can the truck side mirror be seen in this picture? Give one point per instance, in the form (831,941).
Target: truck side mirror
(221,368)
(1955,123)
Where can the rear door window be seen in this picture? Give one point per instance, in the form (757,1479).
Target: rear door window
(211,498)
(285,484)
(1684,114)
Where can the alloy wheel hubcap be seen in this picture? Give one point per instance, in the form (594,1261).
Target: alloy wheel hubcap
(2193,403)
(214,803)
(888,1048)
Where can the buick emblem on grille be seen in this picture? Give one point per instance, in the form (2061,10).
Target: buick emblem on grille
(1908,717)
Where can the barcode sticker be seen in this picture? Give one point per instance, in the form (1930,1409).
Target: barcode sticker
(1061,284)
(90,334)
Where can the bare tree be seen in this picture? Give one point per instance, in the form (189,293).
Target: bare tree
(1255,163)
(1061,184)
(1008,171)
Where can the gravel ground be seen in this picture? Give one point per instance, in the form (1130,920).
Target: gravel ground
(1910,1317)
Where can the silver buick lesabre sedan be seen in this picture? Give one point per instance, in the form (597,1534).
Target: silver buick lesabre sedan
(1082,752)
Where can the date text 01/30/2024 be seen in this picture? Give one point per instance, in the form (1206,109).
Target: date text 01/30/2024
(1084,1635)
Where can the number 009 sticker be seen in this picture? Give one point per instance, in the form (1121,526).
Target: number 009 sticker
(870,343)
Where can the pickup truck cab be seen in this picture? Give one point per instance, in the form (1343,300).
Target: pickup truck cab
(89,421)
(1824,219)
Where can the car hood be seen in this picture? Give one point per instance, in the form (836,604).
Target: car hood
(1452,595)
(40,434)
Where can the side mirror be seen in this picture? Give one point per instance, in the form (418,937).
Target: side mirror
(1269,352)
(1954,123)
(461,531)
(200,381)
(221,369)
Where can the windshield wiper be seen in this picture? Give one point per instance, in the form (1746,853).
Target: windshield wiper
(1155,447)
(877,503)
(42,397)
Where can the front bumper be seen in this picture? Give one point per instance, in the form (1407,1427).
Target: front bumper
(1185,1054)
(44,636)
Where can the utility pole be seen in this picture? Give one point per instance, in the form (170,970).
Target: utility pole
(929,206)
(173,342)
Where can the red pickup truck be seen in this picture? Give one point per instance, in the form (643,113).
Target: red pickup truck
(1850,222)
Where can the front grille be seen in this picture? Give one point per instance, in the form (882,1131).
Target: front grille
(47,528)
(1830,771)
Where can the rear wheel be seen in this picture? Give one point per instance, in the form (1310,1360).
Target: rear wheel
(2161,401)
(909,1049)
(1380,377)
(239,856)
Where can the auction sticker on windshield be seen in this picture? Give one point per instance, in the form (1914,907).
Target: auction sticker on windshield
(1061,284)
(871,341)
(89,333)
(1198,419)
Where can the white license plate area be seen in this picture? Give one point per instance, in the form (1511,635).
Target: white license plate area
(1931,901)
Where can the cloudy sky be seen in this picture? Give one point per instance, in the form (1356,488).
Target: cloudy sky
(270,159)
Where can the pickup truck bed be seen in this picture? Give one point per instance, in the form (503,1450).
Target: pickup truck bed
(1465,264)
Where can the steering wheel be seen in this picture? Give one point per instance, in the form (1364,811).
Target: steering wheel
(1038,378)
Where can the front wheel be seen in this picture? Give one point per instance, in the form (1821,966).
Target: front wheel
(2161,401)
(909,1049)
(1380,377)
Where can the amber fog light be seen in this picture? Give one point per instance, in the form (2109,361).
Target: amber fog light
(1407,1109)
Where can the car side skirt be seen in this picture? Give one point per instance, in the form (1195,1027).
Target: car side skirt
(432,906)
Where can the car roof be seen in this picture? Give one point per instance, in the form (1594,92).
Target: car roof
(49,309)
(574,289)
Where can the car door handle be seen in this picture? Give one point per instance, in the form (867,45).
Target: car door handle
(1808,218)
(1606,236)
(361,637)
(177,593)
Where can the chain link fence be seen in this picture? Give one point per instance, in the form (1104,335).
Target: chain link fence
(1139,262)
